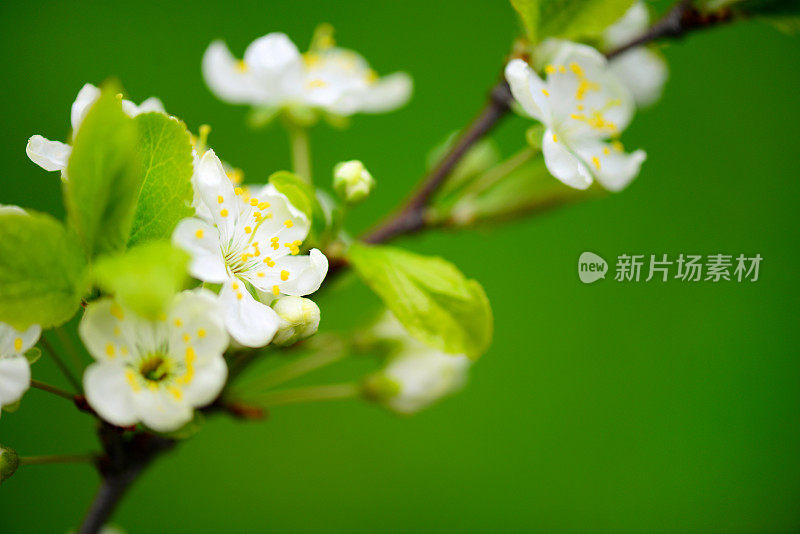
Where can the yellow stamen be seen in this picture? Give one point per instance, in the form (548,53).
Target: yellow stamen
(199,234)
(18,344)
(110,350)
(276,290)
(223,213)
(284,275)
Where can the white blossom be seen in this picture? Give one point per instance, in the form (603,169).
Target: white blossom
(154,371)
(15,371)
(274,73)
(415,375)
(643,71)
(250,240)
(584,109)
(53,155)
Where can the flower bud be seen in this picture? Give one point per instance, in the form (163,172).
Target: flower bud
(299,319)
(352,181)
(9,461)
(413,380)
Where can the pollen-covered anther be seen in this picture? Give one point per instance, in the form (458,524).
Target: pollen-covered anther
(199,234)
(284,275)
(238,191)
(276,290)
(288,223)
(223,212)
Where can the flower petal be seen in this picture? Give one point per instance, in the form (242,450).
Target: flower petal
(12,341)
(304,273)
(161,410)
(49,155)
(612,167)
(195,320)
(227,79)
(276,65)
(86,97)
(563,164)
(388,93)
(216,191)
(201,241)
(110,332)
(15,378)
(528,89)
(643,72)
(109,393)
(630,26)
(207,382)
(248,321)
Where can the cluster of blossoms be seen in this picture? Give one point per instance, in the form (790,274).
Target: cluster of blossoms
(247,243)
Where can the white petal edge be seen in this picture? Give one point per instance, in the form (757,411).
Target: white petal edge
(49,155)
(563,164)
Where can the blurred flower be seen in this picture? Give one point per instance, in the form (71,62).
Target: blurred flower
(53,155)
(642,70)
(415,375)
(352,181)
(581,106)
(250,245)
(15,371)
(154,371)
(299,319)
(275,74)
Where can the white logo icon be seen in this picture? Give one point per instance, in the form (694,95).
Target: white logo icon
(591,267)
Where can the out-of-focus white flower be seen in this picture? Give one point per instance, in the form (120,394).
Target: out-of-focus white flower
(250,245)
(643,71)
(582,106)
(299,319)
(275,74)
(53,155)
(352,181)
(15,371)
(154,371)
(415,375)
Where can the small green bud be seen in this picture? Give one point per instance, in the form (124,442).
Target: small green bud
(9,462)
(352,181)
(299,319)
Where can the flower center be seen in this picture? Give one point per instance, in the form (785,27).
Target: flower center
(155,367)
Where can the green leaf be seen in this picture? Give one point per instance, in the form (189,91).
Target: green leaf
(165,153)
(433,300)
(104,176)
(303,197)
(42,271)
(145,277)
(33,354)
(568,19)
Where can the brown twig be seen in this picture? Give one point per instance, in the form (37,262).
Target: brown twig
(680,20)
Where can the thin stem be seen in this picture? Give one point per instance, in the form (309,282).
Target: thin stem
(52,389)
(497,173)
(308,394)
(60,363)
(301,151)
(295,369)
(69,347)
(58,459)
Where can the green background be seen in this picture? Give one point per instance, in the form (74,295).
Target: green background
(664,407)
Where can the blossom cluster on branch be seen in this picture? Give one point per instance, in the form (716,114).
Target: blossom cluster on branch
(184,274)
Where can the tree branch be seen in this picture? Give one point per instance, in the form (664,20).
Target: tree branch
(680,20)
(410,218)
(125,460)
